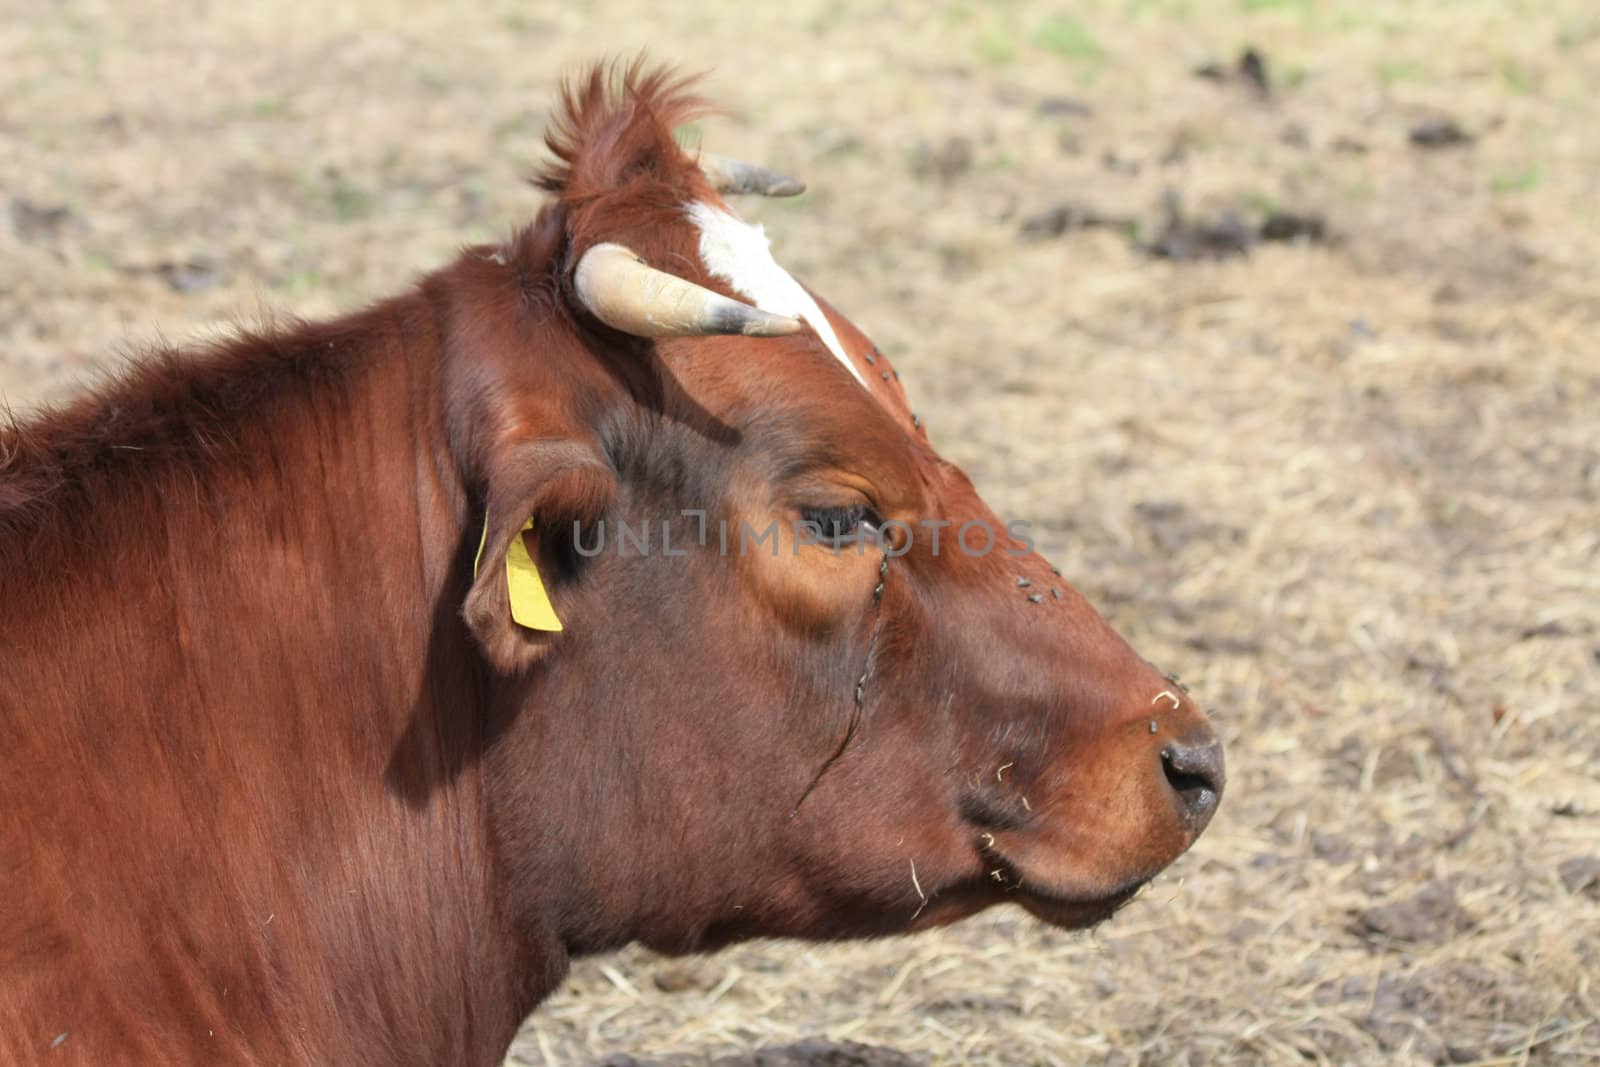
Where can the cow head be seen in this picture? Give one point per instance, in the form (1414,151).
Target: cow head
(806,682)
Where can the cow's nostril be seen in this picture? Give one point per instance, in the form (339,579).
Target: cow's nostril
(1196,774)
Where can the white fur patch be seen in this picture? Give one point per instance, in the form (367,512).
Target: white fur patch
(741,255)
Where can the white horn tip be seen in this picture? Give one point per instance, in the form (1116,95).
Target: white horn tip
(776,184)
(736,176)
(627,294)
(766,324)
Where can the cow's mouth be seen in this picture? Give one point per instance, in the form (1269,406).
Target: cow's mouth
(1070,911)
(1074,914)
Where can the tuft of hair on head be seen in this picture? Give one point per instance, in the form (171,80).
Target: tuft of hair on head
(614,127)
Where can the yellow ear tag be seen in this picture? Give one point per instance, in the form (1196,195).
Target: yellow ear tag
(530,604)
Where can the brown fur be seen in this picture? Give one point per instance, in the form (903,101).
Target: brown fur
(280,781)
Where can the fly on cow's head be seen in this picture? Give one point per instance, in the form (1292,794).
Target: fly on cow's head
(796,643)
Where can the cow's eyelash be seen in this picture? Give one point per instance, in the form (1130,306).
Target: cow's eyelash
(839,524)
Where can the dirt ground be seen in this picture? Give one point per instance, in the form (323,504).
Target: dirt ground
(1291,358)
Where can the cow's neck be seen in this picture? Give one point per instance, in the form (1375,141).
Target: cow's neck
(287,625)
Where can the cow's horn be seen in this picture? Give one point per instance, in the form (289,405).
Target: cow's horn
(735,176)
(627,294)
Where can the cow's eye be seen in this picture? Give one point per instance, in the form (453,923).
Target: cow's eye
(842,525)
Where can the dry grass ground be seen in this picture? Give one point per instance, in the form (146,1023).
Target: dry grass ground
(1350,489)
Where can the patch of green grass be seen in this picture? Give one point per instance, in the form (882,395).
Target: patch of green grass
(1523,180)
(349,202)
(301,282)
(1516,77)
(1172,10)
(1393,26)
(997,48)
(1350,21)
(261,108)
(1260,203)
(827,144)
(1575,35)
(1298,7)
(516,21)
(1068,38)
(1360,190)
(1393,72)
(1309,167)
(518,126)
(433,78)
(958,13)
(837,15)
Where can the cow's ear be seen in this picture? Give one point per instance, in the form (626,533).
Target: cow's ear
(514,605)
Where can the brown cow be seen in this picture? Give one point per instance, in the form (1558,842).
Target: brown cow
(286,780)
